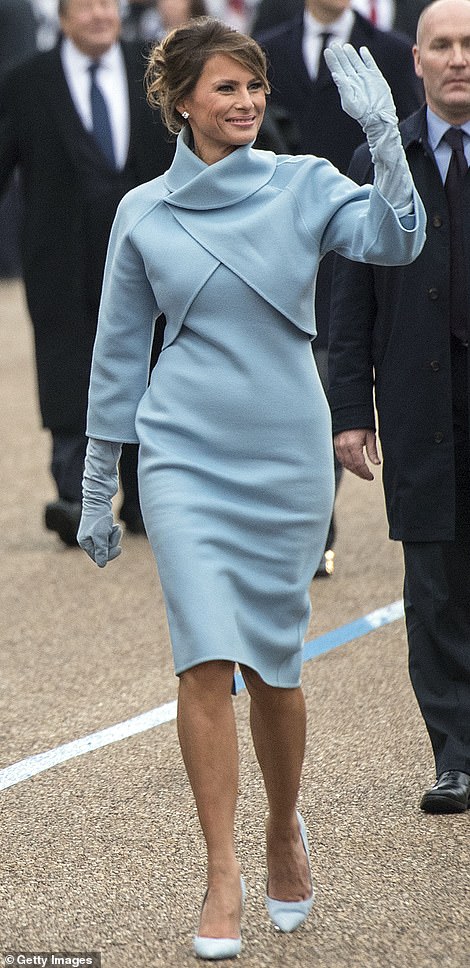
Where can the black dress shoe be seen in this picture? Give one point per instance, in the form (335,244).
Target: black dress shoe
(450,793)
(63,517)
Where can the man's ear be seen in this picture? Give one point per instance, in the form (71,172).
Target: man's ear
(417,60)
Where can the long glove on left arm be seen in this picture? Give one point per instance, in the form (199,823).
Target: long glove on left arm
(366,96)
(97,534)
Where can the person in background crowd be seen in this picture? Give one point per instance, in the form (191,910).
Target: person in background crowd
(399,15)
(140,21)
(270,13)
(173,13)
(74,121)
(236,13)
(236,463)
(149,22)
(149,19)
(47,23)
(17,42)
(401,335)
(303,87)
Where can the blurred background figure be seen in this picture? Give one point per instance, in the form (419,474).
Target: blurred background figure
(17,33)
(302,85)
(173,13)
(238,13)
(75,122)
(270,13)
(140,20)
(401,15)
(17,42)
(47,22)
(150,22)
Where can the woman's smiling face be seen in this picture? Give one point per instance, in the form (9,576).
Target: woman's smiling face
(225,108)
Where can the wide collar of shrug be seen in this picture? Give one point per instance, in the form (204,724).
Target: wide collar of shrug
(196,186)
(235,212)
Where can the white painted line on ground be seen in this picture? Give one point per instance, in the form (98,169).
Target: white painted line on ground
(32,765)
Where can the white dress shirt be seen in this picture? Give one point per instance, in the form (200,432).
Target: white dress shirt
(339,30)
(112,79)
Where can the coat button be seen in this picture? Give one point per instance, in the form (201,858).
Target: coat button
(437,221)
(435,365)
(433,293)
(438,437)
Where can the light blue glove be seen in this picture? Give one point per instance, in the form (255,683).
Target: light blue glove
(366,96)
(97,534)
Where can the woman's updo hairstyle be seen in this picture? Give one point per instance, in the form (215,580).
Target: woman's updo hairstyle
(176,64)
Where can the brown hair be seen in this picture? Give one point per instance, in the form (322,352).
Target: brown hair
(176,64)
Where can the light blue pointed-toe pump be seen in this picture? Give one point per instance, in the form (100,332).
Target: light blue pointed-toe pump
(288,915)
(215,949)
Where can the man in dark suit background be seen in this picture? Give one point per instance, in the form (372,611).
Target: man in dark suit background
(302,85)
(17,42)
(71,188)
(401,15)
(402,334)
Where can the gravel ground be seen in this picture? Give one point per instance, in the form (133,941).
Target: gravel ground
(102,853)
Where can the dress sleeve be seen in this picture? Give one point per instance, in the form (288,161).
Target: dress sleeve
(126,323)
(364,227)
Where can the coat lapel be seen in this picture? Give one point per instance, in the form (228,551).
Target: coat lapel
(296,70)
(68,122)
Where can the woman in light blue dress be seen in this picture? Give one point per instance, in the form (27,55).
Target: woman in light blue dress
(236,469)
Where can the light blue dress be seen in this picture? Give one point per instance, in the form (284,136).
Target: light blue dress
(236,466)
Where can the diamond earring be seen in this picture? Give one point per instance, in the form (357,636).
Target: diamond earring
(185,115)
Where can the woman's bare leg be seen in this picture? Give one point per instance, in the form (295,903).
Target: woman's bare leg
(208,739)
(278,726)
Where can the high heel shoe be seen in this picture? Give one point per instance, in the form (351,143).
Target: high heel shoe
(214,949)
(288,915)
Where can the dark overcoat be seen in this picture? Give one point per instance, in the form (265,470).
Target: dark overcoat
(272,12)
(323,128)
(389,331)
(70,199)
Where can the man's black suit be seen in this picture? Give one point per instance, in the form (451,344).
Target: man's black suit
(390,333)
(17,42)
(70,198)
(272,12)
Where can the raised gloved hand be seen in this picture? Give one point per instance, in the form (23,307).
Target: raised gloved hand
(366,96)
(97,534)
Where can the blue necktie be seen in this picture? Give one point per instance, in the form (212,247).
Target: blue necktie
(100,117)
(459,297)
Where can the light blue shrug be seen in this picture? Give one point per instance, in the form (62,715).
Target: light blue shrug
(268,218)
